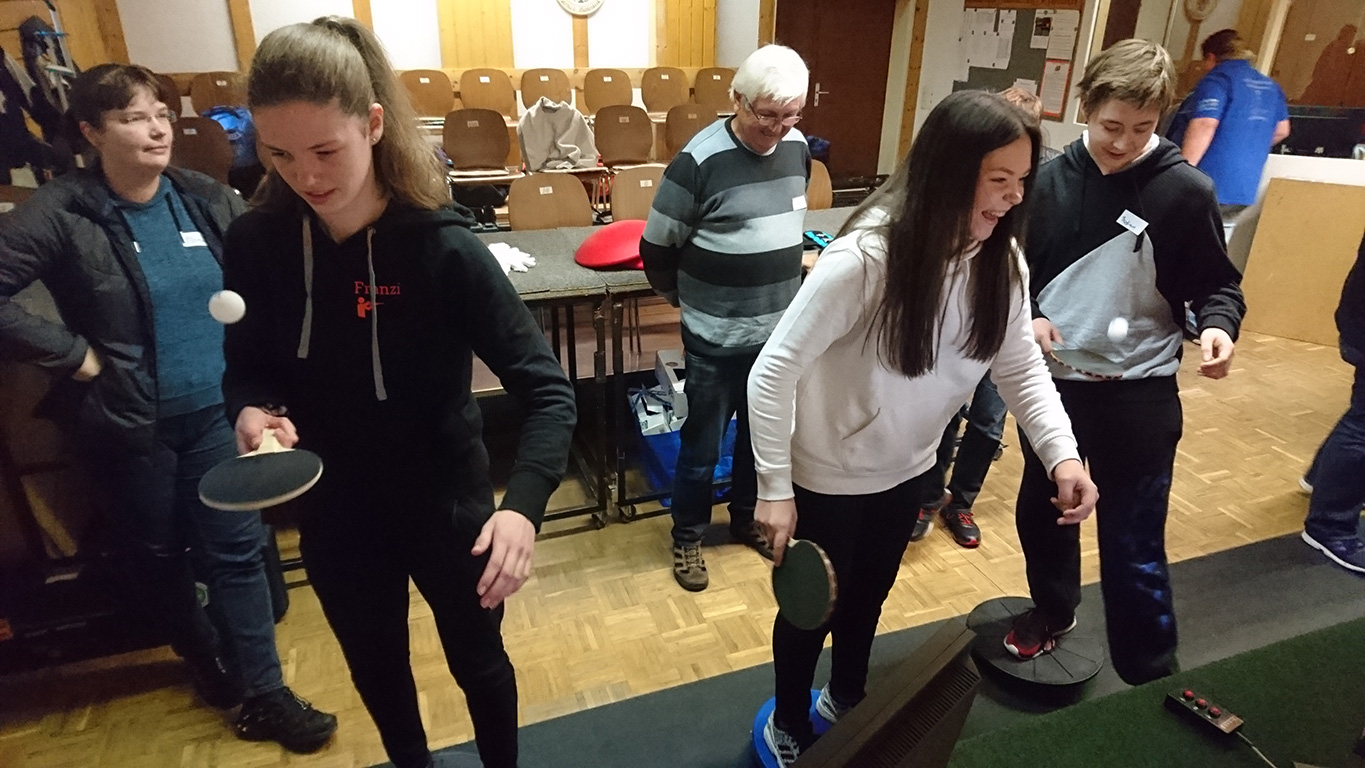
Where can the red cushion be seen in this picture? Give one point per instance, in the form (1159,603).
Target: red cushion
(615,246)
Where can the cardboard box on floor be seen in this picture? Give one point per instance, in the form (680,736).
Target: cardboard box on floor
(670,368)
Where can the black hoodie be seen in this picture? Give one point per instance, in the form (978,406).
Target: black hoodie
(1086,269)
(375,364)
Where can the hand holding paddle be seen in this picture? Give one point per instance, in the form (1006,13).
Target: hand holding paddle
(777,521)
(1217,346)
(1076,492)
(252,423)
(512,538)
(1046,334)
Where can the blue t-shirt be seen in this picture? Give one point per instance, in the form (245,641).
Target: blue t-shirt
(1247,105)
(181,276)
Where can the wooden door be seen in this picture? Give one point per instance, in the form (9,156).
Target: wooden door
(847,45)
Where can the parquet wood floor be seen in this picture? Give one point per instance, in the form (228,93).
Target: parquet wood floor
(601,619)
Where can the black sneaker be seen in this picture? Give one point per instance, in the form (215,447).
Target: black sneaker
(281,716)
(962,526)
(924,524)
(1347,553)
(750,536)
(212,681)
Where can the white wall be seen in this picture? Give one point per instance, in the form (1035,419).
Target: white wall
(409,32)
(542,35)
(621,35)
(269,15)
(1152,18)
(941,29)
(159,37)
(1329,169)
(736,31)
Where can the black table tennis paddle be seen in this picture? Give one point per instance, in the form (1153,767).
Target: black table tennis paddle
(269,475)
(804,585)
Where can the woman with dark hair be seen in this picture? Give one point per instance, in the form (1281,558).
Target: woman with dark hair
(367,297)
(130,250)
(920,295)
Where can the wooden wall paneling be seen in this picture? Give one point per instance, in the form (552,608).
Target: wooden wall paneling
(767,21)
(685,33)
(708,28)
(94,34)
(919,25)
(663,50)
(580,42)
(110,26)
(360,9)
(243,32)
(475,33)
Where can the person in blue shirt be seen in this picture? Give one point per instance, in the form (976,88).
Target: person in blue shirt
(1227,126)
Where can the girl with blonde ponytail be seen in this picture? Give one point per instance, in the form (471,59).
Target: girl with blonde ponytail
(367,297)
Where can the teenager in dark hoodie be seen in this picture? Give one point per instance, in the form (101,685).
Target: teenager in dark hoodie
(1122,227)
(367,297)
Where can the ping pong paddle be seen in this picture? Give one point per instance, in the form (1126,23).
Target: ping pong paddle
(269,475)
(1088,364)
(804,585)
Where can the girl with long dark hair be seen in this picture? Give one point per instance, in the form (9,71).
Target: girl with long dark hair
(922,293)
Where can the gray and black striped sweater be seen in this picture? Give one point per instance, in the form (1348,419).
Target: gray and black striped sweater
(723,240)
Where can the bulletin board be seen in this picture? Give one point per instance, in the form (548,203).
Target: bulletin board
(1028,43)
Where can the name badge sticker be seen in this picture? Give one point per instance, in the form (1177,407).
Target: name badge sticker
(192,240)
(1132,222)
(799,203)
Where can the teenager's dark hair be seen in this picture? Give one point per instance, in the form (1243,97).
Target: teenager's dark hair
(928,202)
(108,87)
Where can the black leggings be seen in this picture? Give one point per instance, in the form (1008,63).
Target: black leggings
(864,537)
(359,560)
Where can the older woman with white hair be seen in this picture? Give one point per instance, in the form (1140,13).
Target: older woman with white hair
(723,242)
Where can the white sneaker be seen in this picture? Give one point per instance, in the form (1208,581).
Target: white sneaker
(1305,486)
(828,708)
(783,745)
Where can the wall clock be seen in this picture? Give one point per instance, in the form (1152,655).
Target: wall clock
(1198,10)
(581,7)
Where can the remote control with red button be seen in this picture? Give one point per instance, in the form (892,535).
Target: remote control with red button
(1198,707)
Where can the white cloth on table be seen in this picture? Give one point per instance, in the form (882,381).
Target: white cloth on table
(511,258)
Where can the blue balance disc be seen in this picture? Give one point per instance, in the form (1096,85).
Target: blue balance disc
(765,756)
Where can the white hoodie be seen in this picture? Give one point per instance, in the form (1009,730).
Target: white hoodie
(860,427)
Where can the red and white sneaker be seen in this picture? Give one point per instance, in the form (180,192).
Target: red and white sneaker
(1034,635)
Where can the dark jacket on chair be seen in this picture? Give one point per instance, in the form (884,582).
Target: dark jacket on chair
(70,236)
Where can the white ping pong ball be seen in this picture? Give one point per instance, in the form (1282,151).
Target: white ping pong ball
(1118,329)
(227,307)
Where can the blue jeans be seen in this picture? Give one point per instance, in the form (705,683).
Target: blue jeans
(985,417)
(717,388)
(1338,473)
(155,508)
